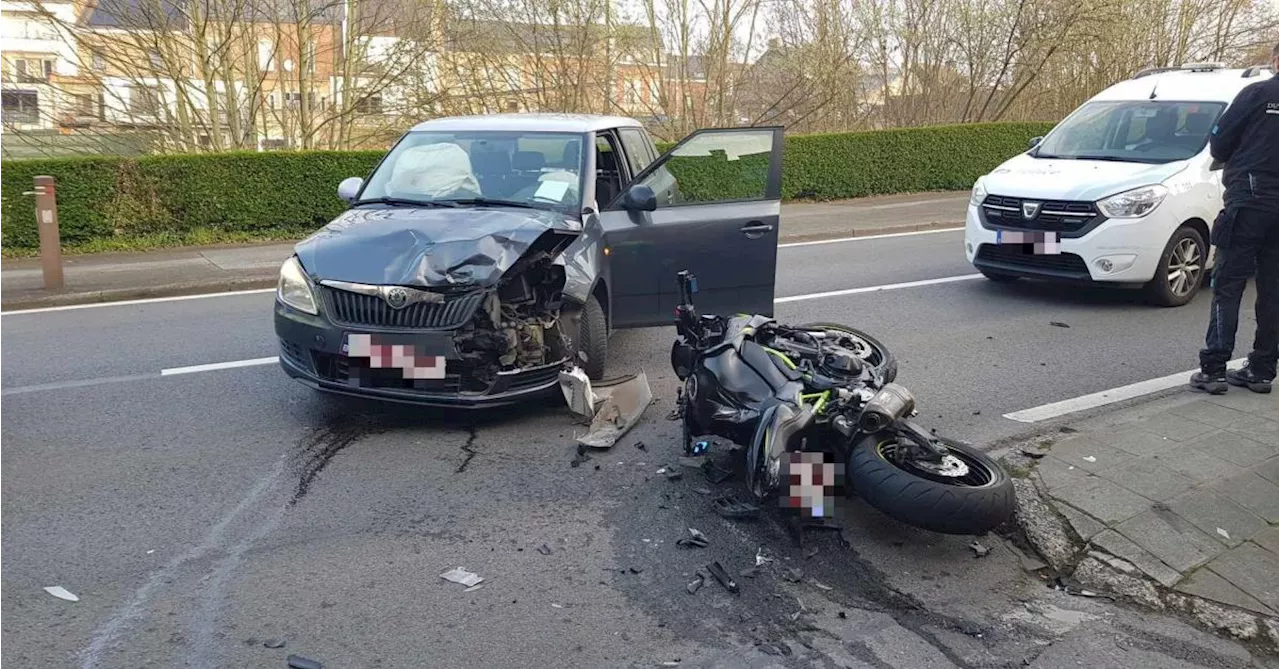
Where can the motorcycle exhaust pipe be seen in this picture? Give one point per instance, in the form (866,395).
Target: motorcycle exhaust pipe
(891,403)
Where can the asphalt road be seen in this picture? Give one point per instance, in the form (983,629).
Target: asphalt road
(197,515)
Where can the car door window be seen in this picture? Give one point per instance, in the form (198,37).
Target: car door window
(634,141)
(716,166)
(609,175)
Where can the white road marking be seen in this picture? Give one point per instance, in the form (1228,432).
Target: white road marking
(125,303)
(864,238)
(259,291)
(219,365)
(1105,397)
(876,289)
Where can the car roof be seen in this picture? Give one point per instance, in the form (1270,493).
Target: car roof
(1183,85)
(530,123)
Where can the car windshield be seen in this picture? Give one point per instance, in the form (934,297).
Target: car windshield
(1139,131)
(528,169)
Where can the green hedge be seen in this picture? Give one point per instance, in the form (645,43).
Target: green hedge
(218,197)
(240,195)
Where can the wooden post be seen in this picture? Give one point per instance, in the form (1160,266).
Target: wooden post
(50,238)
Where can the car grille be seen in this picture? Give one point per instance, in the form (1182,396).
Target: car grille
(1016,256)
(348,308)
(1063,216)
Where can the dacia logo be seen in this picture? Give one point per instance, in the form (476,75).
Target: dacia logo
(1030,209)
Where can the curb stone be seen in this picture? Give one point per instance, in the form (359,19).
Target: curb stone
(1053,539)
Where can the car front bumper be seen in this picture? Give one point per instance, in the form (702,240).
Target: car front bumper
(1130,247)
(311,352)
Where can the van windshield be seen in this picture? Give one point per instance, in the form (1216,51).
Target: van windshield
(1137,131)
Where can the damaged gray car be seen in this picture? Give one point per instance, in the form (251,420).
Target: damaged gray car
(484,255)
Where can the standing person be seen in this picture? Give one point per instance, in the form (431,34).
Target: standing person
(1245,233)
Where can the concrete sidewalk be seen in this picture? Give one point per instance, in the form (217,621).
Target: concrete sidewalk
(1173,499)
(121,276)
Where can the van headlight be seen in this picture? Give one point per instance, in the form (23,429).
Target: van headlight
(1134,203)
(978,194)
(294,289)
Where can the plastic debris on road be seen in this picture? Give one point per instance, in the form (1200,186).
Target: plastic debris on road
(61,593)
(979,550)
(576,388)
(620,407)
(719,574)
(462,576)
(730,507)
(273,643)
(761,558)
(1059,324)
(300,662)
(695,584)
(1089,458)
(696,539)
(1224,533)
(544,549)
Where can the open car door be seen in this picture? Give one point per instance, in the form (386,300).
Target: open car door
(709,205)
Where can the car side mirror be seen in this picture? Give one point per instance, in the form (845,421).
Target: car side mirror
(1215,166)
(350,188)
(639,198)
(1035,141)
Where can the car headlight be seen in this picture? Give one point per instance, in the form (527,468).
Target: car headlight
(294,288)
(979,193)
(1134,203)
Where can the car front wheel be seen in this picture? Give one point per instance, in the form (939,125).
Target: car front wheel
(588,334)
(1181,269)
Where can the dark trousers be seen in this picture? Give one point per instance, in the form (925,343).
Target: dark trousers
(1247,247)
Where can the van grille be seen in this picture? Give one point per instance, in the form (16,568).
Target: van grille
(1062,216)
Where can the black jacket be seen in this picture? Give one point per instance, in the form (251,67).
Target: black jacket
(1245,141)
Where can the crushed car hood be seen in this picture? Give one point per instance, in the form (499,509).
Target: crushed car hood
(431,247)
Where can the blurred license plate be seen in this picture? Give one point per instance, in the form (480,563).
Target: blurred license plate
(1041,243)
(413,357)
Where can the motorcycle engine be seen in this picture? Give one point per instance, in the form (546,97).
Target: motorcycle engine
(840,363)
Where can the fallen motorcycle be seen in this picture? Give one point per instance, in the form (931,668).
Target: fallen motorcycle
(782,392)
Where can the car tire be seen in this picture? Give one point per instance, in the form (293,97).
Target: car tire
(926,503)
(590,337)
(998,277)
(1186,248)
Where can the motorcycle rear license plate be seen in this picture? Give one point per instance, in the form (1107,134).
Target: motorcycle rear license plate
(415,356)
(1040,243)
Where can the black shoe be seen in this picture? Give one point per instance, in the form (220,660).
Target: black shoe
(1214,384)
(1251,379)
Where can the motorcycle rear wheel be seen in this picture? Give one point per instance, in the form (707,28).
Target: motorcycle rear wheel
(882,358)
(972,504)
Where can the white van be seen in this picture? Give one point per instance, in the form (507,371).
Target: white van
(1122,191)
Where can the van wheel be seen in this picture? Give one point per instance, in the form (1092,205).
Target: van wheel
(1181,269)
(589,337)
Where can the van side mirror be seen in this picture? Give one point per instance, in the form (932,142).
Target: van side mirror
(350,188)
(1035,141)
(639,198)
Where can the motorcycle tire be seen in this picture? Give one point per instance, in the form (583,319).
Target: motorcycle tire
(888,365)
(969,505)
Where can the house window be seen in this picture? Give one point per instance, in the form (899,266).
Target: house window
(84,105)
(99,63)
(144,100)
(157,63)
(311,56)
(369,105)
(275,144)
(292,100)
(265,55)
(20,106)
(29,70)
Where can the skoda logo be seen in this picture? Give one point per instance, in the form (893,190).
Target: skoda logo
(397,297)
(1030,209)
